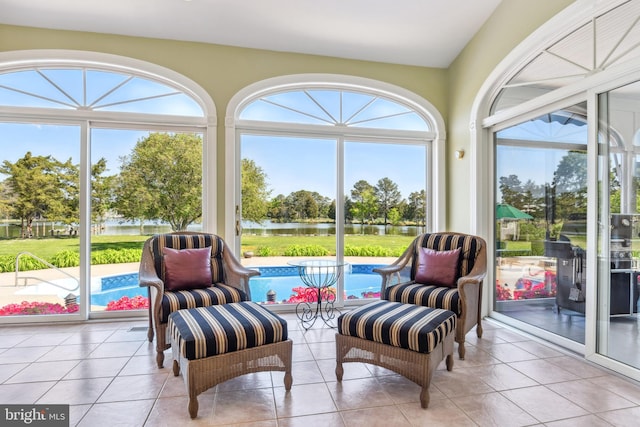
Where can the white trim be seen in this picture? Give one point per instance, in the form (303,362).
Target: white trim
(483,197)
(346,82)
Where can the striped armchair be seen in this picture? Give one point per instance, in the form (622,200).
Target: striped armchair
(229,281)
(464,294)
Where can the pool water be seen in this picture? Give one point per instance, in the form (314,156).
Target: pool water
(359,279)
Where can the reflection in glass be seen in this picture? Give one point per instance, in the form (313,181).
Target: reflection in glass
(541,169)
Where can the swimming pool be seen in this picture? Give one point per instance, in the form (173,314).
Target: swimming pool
(358,280)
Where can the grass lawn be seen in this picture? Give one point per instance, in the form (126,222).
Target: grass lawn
(47,247)
(278,244)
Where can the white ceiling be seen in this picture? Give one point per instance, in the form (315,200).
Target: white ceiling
(414,32)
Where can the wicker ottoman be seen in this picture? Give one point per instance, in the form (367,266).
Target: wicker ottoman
(408,339)
(213,344)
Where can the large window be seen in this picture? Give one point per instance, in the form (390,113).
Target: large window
(331,171)
(81,186)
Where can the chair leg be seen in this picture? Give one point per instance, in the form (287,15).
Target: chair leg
(479,329)
(160,358)
(461,349)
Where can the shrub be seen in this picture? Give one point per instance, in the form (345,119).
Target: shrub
(7,263)
(309,250)
(66,258)
(370,251)
(116,256)
(265,251)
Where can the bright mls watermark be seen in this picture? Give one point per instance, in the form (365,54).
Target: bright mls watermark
(34,415)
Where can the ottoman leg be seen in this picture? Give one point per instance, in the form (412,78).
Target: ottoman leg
(193,406)
(424,397)
(160,358)
(449,362)
(339,371)
(176,368)
(288,380)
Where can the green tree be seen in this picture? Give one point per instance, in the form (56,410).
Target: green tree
(388,197)
(394,216)
(38,190)
(162,180)
(364,202)
(570,179)
(416,209)
(101,192)
(255,193)
(302,204)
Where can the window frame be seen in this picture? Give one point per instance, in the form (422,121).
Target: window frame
(88,119)
(234,126)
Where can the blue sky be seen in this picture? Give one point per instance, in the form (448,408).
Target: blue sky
(290,164)
(293,164)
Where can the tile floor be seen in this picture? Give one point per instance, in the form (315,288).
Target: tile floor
(107,373)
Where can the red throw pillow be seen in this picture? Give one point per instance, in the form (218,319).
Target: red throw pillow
(438,268)
(187,268)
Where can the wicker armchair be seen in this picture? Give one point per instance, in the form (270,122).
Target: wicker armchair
(463,296)
(229,281)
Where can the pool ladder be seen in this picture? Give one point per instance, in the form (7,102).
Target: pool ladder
(26,278)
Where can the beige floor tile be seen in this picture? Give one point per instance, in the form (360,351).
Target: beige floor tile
(174,412)
(247,382)
(332,419)
(242,406)
(458,383)
(96,368)
(115,349)
(474,356)
(509,352)
(585,421)
(543,371)
(543,404)
(25,393)
(589,396)
(304,399)
(323,350)
(43,371)
(493,409)
(578,367)
(441,412)
(622,417)
(351,370)
(8,341)
(626,388)
(383,416)
(68,352)
(7,371)
(23,354)
(133,387)
(117,414)
(76,412)
(500,377)
(303,373)
(538,349)
(88,337)
(401,390)
(139,365)
(40,340)
(358,393)
(76,392)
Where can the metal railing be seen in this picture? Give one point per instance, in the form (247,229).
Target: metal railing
(41,280)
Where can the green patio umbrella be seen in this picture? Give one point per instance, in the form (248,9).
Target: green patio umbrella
(506,211)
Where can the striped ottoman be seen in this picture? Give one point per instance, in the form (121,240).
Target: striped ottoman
(408,339)
(216,343)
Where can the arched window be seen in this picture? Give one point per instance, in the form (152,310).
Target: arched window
(83,138)
(559,123)
(333,166)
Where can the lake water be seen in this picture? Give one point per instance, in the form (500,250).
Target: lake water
(267,228)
